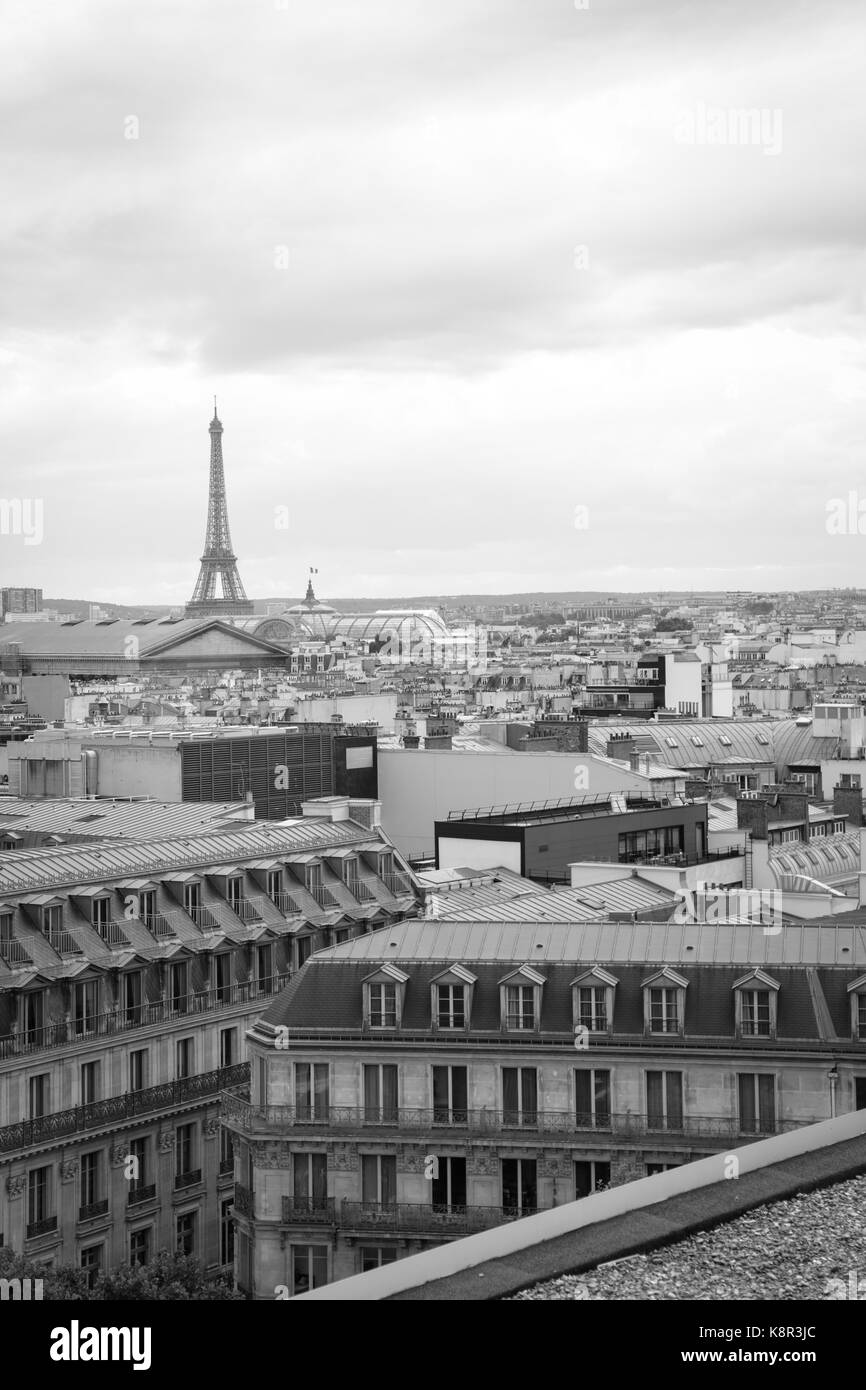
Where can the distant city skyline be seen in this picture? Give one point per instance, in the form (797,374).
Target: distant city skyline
(494,297)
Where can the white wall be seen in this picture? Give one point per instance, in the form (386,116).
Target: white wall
(420,786)
(479,854)
(355,709)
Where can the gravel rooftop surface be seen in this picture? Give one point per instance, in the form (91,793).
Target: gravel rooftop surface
(786,1250)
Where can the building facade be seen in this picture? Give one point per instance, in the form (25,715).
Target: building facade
(129,974)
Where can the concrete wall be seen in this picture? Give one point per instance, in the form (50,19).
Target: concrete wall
(45,695)
(139,768)
(355,709)
(458,853)
(420,786)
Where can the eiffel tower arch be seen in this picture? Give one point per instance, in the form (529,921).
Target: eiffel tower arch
(218,561)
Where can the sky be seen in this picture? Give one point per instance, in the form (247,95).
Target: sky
(494,295)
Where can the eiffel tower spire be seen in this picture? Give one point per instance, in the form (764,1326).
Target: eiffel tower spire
(218,560)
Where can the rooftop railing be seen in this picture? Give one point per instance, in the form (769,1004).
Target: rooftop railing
(240,1114)
(120,1020)
(102,1113)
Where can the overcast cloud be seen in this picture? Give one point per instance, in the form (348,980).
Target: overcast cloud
(452,272)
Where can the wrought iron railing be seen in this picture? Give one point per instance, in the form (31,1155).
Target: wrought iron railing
(91,1209)
(103,1113)
(64,943)
(159,924)
(286,904)
(203,918)
(360,887)
(112,933)
(60,1033)
(428,1217)
(138,1195)
(398,884)
(308,1210)
(323,896)
(13,952)
(246,909)
(240,1114)
(187,1179)
(41,1228)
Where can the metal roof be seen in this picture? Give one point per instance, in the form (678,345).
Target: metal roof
(109,819)
(22,870)
(607,942)
(778,742)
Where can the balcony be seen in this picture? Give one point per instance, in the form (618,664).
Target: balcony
(308,1211)
(243,1200)
(187,1179)
(84,1029)
(92,1209)
(141,1194)
(246,910)
(12,953)
(203,918)
(64,943)
(106,1114)
(361,889)
(41,1228)
(323,896)
(402,1218)
(286,904)
(239,1114)
(398,884)
(159,925)
(112,934)
(227,1165)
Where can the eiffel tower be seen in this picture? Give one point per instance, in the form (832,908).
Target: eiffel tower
(218,559)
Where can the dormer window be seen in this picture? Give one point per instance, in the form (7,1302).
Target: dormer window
(520,1000)
(857,991)
(755,997)
(451,998)
(592,1001)
(383,998)
(664,1002)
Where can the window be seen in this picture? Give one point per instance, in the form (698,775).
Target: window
(311,1090)
(227,1232)
(664,1014)
(138,1069)
(592,1099)
(450,1091)
(860,1016)
(264,967)
(132,998)
(99,913)
(185,1229)
(653,1168)
(34,1015)
(449,1183)
(380,1094)
(38,1198)
(664,1100)
(223,976)
(185,1150)
(139,1246)
(520,1097)
(519,1006)
(757,1097)
(592,1008)
(762,738)
(185,1058)
(179,986)
(91,1171)
(275,883)
(227,1161)
(86,1007)
(228,1047)
(263,1080)
(755,1004)
(374,1256)
(309,1267)
(140,1167)
(147,906)
(235,892)
(451,1006)
(723,738)
(91,1263)
(310,1182)
(671,742)
(383,1006)
(519,1185)
(304,947)
(379,1180)
(40,1089)
(589,1177)
(90,1078)
(697,741)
